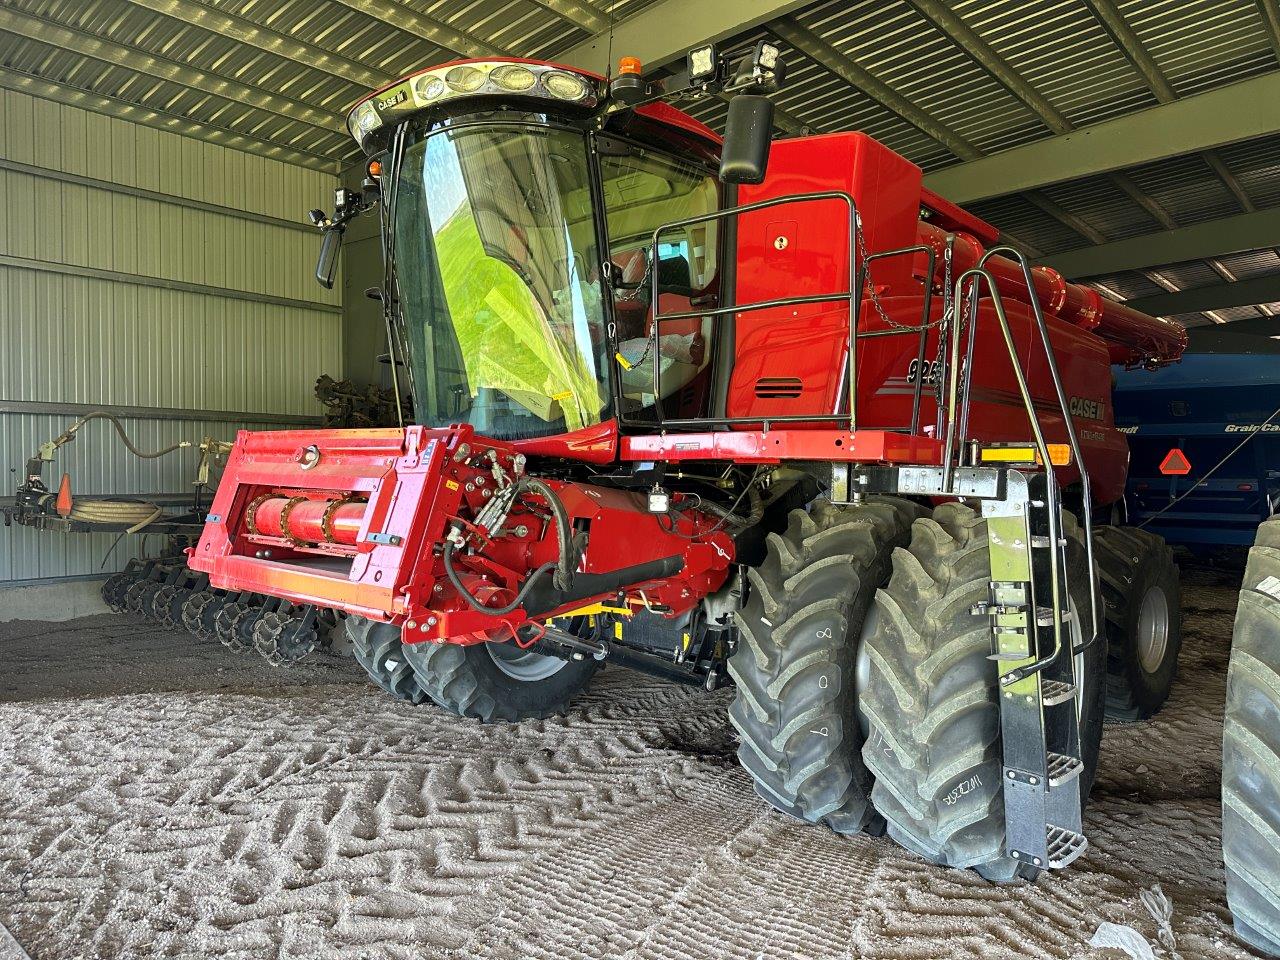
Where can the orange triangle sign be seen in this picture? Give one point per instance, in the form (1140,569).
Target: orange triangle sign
(1175,464)
(63,501)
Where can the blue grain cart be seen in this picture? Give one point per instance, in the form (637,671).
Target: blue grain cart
(1204,407)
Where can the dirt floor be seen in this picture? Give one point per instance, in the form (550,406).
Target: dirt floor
(162,797)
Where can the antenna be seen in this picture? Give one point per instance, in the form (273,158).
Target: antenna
(608,59)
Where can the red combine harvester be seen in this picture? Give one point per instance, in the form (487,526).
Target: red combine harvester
(803,430)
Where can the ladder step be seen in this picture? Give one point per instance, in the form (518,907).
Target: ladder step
(1063,769)
(1042,543)
(1064,846)
(1044,616)
(1053,692)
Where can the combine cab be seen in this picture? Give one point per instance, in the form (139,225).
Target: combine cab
(798,429)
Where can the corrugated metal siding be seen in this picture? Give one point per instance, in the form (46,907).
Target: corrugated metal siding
(82,339)
(92,145)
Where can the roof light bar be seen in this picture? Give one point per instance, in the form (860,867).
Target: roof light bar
(500,78)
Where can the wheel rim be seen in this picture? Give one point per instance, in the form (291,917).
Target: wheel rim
(1153,630)
(524,665)
(862,665)
(1075,636)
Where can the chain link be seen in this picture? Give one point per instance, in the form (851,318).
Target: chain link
(873,296)
(944,320)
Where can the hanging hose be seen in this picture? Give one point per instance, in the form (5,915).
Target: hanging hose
(70,432)
(137,514)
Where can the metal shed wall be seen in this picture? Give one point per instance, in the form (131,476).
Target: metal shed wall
(143,269)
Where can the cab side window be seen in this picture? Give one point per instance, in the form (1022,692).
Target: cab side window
(643,190)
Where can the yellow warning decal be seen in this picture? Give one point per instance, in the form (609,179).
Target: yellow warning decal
(1059,454)
(451,484)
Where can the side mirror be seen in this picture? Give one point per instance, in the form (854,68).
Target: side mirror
(748,132)
(328,261)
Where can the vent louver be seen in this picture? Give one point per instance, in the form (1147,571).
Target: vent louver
(778,388)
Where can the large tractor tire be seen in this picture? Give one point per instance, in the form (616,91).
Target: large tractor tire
(795,709)
(377,648)
(497,681)
(1142,601)
(1251,751)
(931,695)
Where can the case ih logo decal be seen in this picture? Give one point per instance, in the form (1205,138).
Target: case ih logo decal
(387,102)
(1089,409)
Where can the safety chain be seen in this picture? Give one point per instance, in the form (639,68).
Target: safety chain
(871,288)
(945,319)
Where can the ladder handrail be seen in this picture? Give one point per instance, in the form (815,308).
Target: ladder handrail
(975,275)
(1069,422)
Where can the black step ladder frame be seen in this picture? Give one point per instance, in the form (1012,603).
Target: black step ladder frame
(1035,655)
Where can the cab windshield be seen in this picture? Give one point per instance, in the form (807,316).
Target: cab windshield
(499,280)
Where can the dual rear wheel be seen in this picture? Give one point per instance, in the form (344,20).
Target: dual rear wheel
(865,696)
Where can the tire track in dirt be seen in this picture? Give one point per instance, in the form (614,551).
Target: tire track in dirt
(199,804)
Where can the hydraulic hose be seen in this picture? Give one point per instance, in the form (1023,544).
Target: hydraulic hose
(729,517)
(563,566)
(474,603)
(70,432)
(136,513)
(564,534)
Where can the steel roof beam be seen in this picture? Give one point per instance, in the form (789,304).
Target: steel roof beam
(954,28)
(1268,326)
(582,15)
(1225,115)
(264,38)
(137,113)
(147,64)
(1217,296)
(1271,20)
(1216,238)
(1115,24)
(435,32)
(664,31)
(827,56)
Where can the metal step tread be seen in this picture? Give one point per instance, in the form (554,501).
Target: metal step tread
(1053,692)
(1044,616)
(1064,846)
(1063,769)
